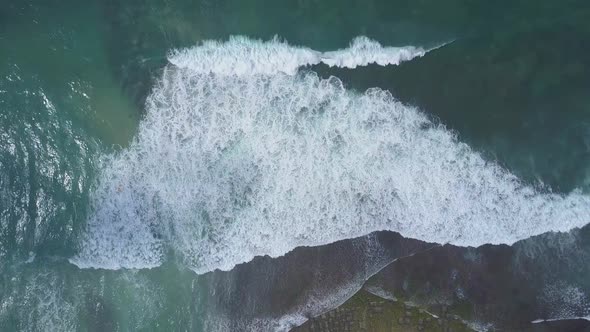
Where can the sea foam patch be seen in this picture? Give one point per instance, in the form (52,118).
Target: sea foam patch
(229,165)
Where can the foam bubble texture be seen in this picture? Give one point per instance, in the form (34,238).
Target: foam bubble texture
(364,51)
(244,56)
(227,167)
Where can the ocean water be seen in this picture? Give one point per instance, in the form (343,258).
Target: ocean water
(223,165)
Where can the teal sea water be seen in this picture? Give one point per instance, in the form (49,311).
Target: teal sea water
(224,165)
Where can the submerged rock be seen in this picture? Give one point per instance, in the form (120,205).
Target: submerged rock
(368,312)
(502,288)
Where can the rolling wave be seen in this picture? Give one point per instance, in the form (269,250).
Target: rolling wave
(244,56)
(240,154)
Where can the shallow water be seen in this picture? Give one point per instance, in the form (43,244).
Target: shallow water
(129,173)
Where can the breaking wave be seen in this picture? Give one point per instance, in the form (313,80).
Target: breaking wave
(244,56)
(240,154)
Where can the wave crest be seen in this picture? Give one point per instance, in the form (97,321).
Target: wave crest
(245,56)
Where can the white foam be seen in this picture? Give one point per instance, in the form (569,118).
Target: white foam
(227,167)
(364,51)
(540,320)
(565,302)
(244,56)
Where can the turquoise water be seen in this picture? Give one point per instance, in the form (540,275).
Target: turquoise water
(498,114)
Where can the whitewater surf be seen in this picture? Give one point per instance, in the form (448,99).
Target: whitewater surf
(244,152)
